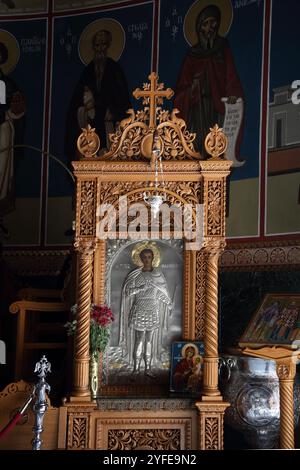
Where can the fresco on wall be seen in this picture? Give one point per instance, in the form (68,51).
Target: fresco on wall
(11,7)
(192,36)
(75,4)
(210,72)
(283,165)
(101,96)
(96,58)
(22,58)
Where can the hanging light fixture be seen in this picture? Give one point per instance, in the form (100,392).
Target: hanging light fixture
(156,197)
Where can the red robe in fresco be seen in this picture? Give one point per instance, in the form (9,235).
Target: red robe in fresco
(205,77)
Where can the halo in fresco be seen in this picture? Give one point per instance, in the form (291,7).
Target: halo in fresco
(85,47)
(189,27)
(12,45)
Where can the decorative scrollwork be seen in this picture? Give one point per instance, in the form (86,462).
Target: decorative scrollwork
(135,439)
(87,207)
(187,192)
(88,143)
(214,208)
(200,295)
(176,193)
(78,432)
(133,140)
(215,142)
(211,433)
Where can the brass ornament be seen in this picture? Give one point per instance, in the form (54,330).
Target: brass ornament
(88,143)
(215,142)
(139,247)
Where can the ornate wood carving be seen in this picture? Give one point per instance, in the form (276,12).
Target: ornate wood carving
(78,430)
(88,143)
(211,420)
(200,294)
(186,192)
(214,208)
(153,93)
(134,138)
(211,429)
(286,373)
(107,169)
(189,296)
(87,209)
(135,433)
(215,142)
(261,256)
(187,180)
(136,439)
(16,387)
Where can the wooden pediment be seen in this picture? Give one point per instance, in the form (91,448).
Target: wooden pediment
(135,135)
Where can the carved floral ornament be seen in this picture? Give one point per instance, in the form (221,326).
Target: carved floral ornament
(134,137)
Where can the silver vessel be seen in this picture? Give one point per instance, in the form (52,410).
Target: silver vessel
(251,386)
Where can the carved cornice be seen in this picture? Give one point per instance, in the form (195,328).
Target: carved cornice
(220,166)
(139,404)
(99,168)
(264,256)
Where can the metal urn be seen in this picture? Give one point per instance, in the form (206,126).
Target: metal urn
(251,386)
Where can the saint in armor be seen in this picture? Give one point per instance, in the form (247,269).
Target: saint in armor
(145,308)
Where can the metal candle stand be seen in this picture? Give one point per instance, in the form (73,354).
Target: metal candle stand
(42,368)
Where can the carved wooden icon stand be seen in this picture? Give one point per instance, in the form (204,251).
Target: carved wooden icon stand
(286,360)
(124,171)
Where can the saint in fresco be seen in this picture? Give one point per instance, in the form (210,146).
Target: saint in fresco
(208,77)
(145,307)
(11,124)
(101,96)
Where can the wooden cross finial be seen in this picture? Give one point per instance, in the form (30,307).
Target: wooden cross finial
(153,94)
